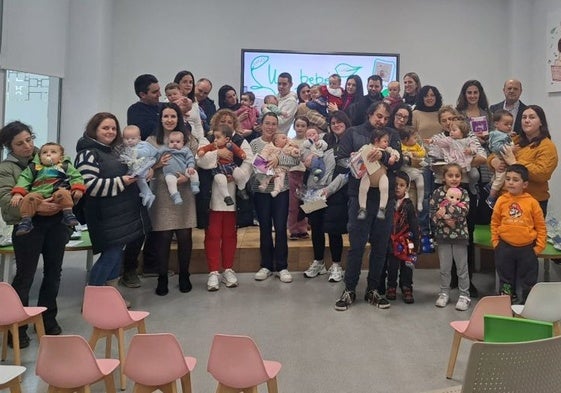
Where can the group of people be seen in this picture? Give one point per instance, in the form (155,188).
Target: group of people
(185,163)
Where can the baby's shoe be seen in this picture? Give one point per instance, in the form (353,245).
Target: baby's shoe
(148,199)
(490,201)
(381,213)
(274,193)
(177,198)
(362,214)
(69,219)
(195,188)
(24,227)
(228,201)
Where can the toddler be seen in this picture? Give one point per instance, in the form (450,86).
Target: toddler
(518,234)
(280,144)
(173,92)
(411,148)
(50,175)
(314,147)
(333,94)
(404,241)
(393,99)
(449,207)
(226,168)
(376,177)
(319,101)
(459,148)
(498,140)
(271,104)
(139,156)
(297,226)
(247,101)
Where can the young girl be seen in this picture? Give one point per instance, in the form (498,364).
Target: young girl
(297,229)
(451,233)
(411,148)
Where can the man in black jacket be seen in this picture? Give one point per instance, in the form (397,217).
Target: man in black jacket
(357,110)
(512,90)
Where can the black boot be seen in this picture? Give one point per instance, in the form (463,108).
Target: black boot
(184,283)
(162,288)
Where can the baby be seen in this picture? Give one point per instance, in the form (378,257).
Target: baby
(50,174)
(459,148)
(271,104)
(333,94)
(393,99)
(247,101)
(280,144)
(316,147)
(225,168)
(319,101)
(411,148)
(378,178)
(182,161)
(498,140)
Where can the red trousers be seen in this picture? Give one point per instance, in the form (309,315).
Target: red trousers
(221,240)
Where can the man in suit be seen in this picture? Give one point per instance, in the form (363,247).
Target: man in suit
(512,90)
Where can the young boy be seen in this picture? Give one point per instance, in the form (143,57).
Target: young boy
(319,101)
(50,174)
(393,99)
(223,140)
(247,101)
(518,234)
(498,139)
(404,241)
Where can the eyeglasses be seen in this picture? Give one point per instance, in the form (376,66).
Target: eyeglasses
(402,117)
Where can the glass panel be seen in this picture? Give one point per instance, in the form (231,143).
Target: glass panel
(35,100)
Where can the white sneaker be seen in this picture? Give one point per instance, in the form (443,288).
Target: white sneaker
(316,268)
(335,273)
(263,274)
(285,275)
(463,303)
(213,283)
(229,278)
(442,300)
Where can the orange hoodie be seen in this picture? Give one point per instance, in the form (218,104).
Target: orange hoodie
(518,220)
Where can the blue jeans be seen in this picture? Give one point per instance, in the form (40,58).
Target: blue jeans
(424,219)
(376,232)
(108,266)
(272,211)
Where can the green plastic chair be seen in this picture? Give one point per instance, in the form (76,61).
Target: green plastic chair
(499,329)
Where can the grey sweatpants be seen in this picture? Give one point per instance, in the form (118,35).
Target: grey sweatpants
(457,252)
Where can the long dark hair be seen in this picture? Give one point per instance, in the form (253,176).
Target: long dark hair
(179,127)
(394,112)
(462,104)
(222,98)
(544,129)
(299,89)
(180,75)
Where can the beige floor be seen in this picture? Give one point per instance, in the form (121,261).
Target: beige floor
(364,349)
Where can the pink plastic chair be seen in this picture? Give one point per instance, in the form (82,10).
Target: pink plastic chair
(68,363)
(156,361)
(13,315)
(236,363)
(105,309)
(473,328)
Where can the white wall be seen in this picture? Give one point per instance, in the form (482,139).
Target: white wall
(445,41)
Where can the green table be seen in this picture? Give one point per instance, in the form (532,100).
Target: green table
(82,244)
(482,239)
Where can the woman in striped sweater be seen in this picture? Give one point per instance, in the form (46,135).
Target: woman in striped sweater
(114,213)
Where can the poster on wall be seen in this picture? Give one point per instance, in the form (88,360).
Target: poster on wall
(553,52)
(260,68)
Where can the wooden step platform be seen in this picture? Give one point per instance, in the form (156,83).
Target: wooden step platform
(300,253)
